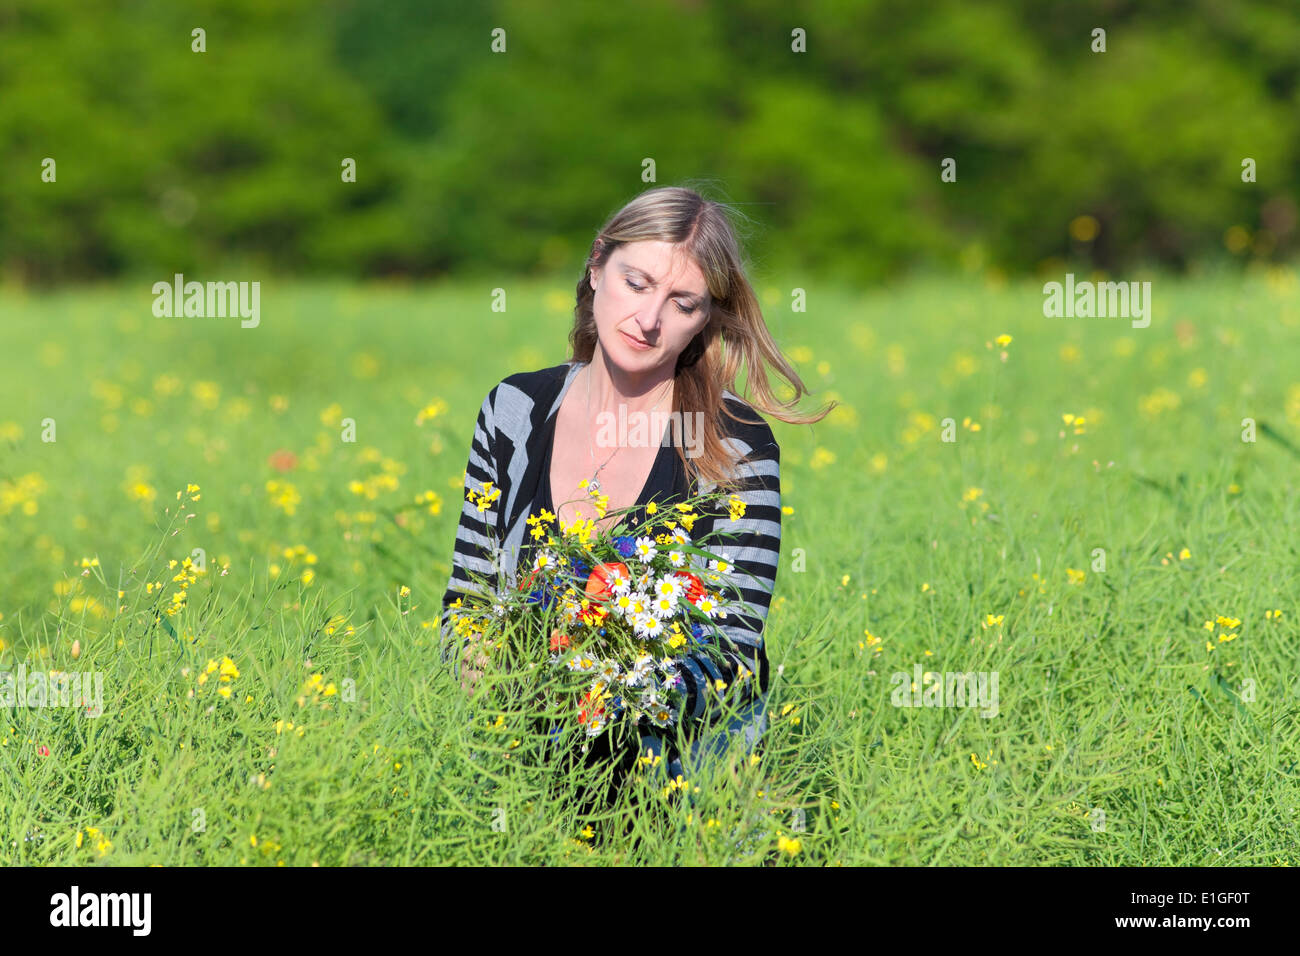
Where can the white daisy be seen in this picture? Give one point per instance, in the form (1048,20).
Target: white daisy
(640,669)
(670,586)
(649,626)
(619,582)
(609,670)
(678,558)
(581,663)
(664,606)
(722,567)
(658,711)
(710,606)
(645,549)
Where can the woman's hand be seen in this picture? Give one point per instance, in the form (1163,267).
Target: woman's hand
(473,660)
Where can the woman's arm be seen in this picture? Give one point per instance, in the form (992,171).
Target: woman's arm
(754,550)
(475,544)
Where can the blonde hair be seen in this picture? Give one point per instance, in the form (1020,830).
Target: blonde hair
(734,334)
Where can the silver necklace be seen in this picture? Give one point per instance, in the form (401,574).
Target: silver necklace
(593,483)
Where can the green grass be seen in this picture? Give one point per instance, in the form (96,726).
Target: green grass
(1120,739)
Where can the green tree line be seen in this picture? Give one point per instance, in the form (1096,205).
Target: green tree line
(827,123)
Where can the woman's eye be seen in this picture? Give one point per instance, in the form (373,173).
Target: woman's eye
(638,288)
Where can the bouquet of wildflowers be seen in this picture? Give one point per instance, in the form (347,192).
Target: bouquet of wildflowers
(616,612)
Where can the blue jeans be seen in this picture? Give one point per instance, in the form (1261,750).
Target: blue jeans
(711,743)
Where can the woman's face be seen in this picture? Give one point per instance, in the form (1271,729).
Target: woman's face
(649,292)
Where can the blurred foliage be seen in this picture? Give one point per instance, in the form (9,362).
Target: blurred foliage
(467,160)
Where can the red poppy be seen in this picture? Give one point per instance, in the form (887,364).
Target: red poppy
(598,583)
(560,640)
(694,586)
(43,750)
(283,460)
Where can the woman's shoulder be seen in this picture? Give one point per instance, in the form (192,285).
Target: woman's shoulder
(536,383)
(520,401)
(746,427)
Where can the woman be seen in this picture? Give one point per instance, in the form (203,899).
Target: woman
(662,289)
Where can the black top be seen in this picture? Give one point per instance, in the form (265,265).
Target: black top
(666,484)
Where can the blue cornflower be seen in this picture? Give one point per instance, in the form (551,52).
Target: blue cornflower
(626,545)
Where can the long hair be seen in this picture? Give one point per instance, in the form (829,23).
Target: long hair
(735,333)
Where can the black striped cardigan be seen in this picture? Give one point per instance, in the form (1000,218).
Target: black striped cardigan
(513,415)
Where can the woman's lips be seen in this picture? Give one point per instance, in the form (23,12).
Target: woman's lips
(636,343)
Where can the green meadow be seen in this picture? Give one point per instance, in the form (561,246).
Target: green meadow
(1102,516)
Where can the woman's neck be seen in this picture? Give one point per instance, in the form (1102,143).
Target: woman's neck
(612,386)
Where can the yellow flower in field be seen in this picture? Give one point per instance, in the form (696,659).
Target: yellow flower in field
(1003,340)
(283,495)
(1076,577)
(1184,554)
(223,691)
(207,394)
(404,591)
(432,410)
(787,845)
(308,576)
(991,620)
(432,499)
(1273,615)
(142,491)
(979,765)
(483,499)
(970,494)
(1160,400)
(821,457)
